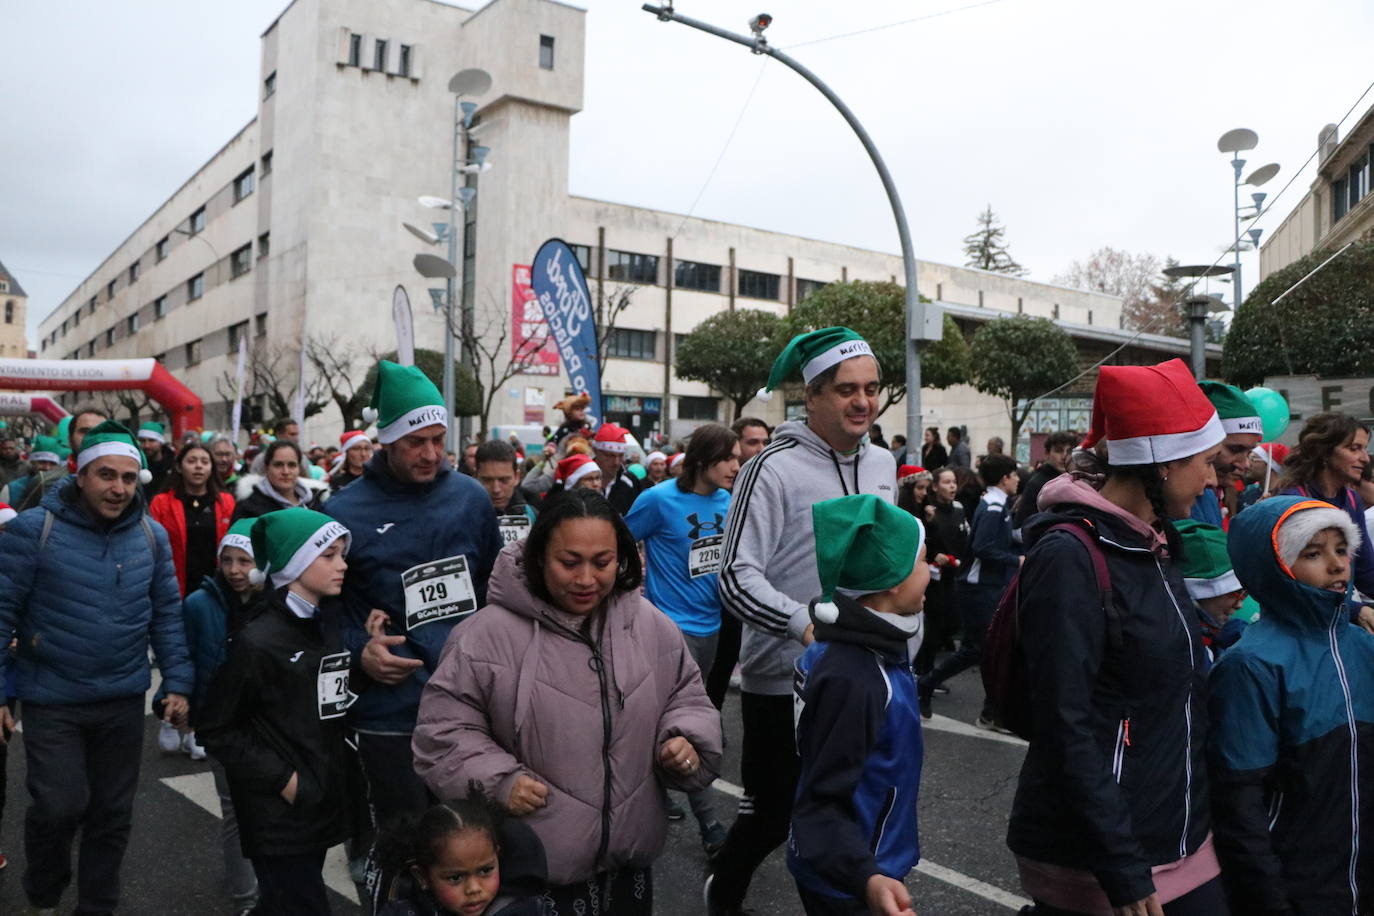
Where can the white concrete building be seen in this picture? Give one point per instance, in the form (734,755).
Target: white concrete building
(292,232)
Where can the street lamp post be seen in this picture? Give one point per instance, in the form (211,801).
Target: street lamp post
(919,325)
(1236,142)
(1198,308)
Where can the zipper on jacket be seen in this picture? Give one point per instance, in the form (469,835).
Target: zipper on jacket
(1187,717)
(880,825)
(1274,808)
(1354,765)
(599,666)
(1123,741)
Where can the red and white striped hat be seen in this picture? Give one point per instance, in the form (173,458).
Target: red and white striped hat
(1152,414)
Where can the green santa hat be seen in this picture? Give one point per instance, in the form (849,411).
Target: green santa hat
(155,431)
(285,542)
(864,544)
(1236,412)
(240,535)
(1206,565)
(48,448)
(111,438)
(813,353)
(403,401)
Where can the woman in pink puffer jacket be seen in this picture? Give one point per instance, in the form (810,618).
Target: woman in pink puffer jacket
(573,701)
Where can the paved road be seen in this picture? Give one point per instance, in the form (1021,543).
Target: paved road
(173,864)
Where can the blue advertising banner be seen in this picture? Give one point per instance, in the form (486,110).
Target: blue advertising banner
(563,296)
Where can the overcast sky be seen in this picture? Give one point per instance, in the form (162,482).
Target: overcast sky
(1083,123)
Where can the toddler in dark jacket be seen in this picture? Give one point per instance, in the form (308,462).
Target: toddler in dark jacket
(464,857)
(854,836)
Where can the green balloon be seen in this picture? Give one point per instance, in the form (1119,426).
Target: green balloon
(1273,411)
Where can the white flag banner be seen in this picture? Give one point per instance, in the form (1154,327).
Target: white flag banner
(237,416)
(298,408)
(405,326)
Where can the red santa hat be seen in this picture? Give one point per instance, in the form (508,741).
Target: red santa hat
(351,438)
(573,468)
(908,470)
(677,459)
(610,438)
(7,514)
(1152,414)
(1273,454)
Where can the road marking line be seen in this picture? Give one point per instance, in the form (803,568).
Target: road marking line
(972,885)
(926,867)
(200,789)
(954,726)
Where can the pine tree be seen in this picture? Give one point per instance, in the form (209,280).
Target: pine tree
(986,248)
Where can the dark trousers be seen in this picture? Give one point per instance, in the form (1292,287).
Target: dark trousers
(82,764)
(769,769)
(977,603)
(291,885)
(727,656)
(1207,900)
(941,621)
(627,892)
(815,904)
(393,792)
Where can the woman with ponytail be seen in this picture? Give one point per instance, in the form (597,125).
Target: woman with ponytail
(1111,811)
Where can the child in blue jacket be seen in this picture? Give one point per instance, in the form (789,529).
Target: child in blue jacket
(1291,741)
(854,834)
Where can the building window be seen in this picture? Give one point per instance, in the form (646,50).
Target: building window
(980,298)
(243,185)
(266,163)
(628,344)
(159,307)
(260,324)
(241,261)
(807,287)
(193,352)
(133,272)
(636,268)
(355,50)
(90,307)
(758,285)
(109,337)
(195,287)
(162,247)
(237,332)
(4,285)
(110,290)
(264,244)
(9,312)
(131,323)
(269,85)
(64,327)
(1055,311)
(583,253)
(940,292)
(198,221)
(1090,316)
(90,348)
(546,52)
(379,55)
(1020,305)
(76,318)
(694,408)
(403,65)
(691,275)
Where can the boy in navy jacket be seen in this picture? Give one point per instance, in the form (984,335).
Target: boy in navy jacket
(853,835)
(995,560)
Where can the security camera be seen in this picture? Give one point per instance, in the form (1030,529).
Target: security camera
(759,23)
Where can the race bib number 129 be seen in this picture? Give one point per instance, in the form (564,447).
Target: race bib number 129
(440,590)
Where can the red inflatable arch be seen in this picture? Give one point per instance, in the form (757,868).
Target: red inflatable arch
(36,405)
(181,404)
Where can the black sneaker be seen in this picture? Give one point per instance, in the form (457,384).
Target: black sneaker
(675,812)
(926,712)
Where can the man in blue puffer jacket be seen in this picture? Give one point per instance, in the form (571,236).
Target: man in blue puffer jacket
(86,583)
(424,541)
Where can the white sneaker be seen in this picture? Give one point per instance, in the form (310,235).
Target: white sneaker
(168,738)
(189,746)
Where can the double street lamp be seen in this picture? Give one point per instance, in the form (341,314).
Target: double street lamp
(1236,142)
(467,160)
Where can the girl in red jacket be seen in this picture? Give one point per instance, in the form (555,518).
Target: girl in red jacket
(195,513)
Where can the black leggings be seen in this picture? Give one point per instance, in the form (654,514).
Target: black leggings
(1207,900)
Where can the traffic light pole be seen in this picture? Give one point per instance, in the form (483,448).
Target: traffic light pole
(915,310)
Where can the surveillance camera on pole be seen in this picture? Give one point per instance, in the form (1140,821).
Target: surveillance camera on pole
(759,23)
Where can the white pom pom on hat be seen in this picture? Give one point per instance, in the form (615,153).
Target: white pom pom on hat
(145,477)
(763,394)
(369,415)
(826,612)
(257,576)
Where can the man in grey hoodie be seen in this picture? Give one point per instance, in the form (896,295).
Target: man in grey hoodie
(768,575)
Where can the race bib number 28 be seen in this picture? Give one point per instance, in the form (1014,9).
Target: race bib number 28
(440,590)
(332,686)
